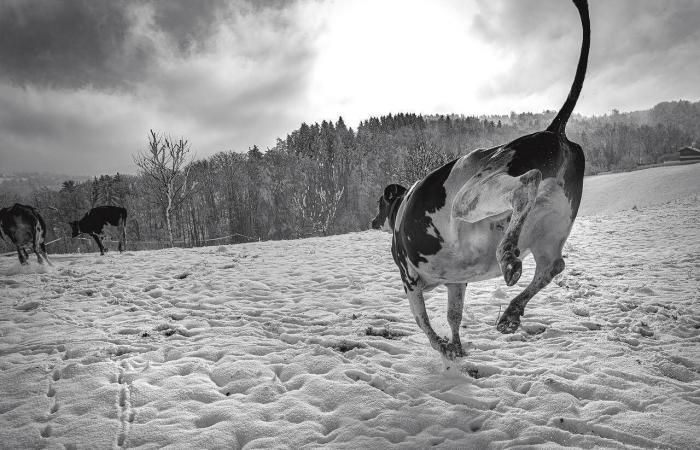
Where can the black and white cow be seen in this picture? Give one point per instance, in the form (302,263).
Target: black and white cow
(24,226)
(475,217)
(94,221)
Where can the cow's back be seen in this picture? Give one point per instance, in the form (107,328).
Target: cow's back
(101,215)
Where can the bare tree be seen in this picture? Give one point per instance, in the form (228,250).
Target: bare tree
(319,207)
(166,165)
(319,199)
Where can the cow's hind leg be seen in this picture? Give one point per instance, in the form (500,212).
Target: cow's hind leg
(36,244)
(42,250)
(455,306)
(549,263)
(42,247)
(523,200)
(417,302)
(38,255)
(22,254)
(122,235)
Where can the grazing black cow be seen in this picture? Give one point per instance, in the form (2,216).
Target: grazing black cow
(23,225)
(475,217)
(95,219)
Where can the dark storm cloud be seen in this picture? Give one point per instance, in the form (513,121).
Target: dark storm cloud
(73,43)
(634,43)
(189,24)
(82,82)
(65,43)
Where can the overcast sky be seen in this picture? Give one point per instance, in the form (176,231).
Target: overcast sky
(82,81)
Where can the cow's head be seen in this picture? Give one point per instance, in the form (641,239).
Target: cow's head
(75,228)
(388,204)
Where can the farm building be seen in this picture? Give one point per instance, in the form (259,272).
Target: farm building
(689,154)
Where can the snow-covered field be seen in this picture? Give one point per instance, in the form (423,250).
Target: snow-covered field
(604,194)
(311,343)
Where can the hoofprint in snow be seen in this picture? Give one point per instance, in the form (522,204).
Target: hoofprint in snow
(311,343)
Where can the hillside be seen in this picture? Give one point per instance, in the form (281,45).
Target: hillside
(604,194)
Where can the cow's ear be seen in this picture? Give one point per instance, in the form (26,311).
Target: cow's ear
(393,191)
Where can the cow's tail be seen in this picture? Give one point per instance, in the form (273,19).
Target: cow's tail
(558,125)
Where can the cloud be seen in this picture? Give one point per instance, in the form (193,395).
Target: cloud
(69,131)
(65,43)
(82,81)
(224,75)
(104,43)
(642,52)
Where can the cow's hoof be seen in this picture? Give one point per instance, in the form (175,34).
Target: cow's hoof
(509,322)
(512,269)
(456,350)
(508,326)
(452,350)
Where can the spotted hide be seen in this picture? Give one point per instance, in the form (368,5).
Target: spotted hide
(95,220)
(24,227)
(476,217)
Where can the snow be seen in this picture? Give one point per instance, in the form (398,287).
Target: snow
(310,343)
(614,192)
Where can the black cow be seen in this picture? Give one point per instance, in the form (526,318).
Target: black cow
(475,217)
(23,225)
(95,219)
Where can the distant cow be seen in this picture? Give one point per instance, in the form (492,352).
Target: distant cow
(23,225)
(93,222)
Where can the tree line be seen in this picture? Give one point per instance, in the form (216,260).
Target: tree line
(323,178)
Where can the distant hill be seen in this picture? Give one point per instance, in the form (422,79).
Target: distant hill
(23,184)
(682,113)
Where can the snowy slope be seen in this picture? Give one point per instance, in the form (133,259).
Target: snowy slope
(604,194)
(311,343)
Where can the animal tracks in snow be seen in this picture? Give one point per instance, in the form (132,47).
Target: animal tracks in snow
(125,413)
(312,343)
